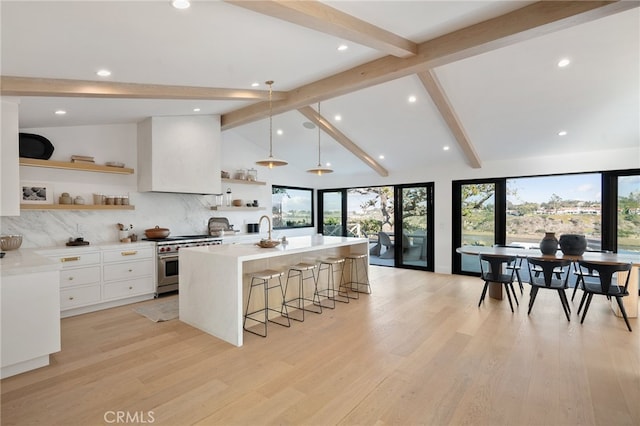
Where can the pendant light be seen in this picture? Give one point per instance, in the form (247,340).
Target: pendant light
(319,169)
(271,162)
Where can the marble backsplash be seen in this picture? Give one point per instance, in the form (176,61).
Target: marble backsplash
(183,214)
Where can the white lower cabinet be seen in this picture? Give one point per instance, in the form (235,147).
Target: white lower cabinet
(128,273)
(95,278)
(30,321)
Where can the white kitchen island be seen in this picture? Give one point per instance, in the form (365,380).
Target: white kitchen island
(214,282)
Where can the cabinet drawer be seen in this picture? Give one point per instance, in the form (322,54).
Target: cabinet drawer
(79,276)
(128,270)
(124,255)
(122,289)
(79,296)
(77,259)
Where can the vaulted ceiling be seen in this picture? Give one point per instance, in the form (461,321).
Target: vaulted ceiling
(483,74)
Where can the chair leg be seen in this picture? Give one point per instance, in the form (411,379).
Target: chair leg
(586,307)
(565,302)
(584,297)
(520,282)
(624,312)
(578,278)
(484,291)
(506,290)
(534,293)
(514,294)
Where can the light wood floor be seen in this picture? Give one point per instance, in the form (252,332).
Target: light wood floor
(416,351)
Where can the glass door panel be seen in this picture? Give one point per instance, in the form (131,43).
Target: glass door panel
(628,214)
(332,223)
(478,213)
(414,219)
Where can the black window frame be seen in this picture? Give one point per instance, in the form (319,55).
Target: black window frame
(311,207)
(608,201)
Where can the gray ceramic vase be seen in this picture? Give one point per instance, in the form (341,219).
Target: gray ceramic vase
(573,244)
(549,244)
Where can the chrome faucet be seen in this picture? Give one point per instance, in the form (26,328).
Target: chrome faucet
(264,216)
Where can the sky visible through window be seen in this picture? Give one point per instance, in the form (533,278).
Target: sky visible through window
(584,187)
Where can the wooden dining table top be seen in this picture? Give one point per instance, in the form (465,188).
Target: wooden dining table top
(591,256)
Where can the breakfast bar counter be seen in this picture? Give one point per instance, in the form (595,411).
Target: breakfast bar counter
(214,284)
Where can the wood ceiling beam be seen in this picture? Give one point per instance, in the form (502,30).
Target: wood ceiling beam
(520,25)
(326,126)
(27,86)
(323,18)
(432,85)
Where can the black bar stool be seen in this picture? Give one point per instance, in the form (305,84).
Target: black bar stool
(263,278)
(330,264)
(298,271)
(352,261)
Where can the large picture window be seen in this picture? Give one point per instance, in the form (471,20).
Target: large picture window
(292,207)
(603,206)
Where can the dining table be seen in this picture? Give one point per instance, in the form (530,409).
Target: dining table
(630,302)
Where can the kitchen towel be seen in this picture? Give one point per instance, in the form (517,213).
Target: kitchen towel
(159,310)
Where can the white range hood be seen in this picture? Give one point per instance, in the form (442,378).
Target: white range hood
(179,154)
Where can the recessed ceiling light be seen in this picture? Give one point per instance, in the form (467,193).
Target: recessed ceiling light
(328,164)
(381,157)
(196,110)
(445,148)
(309,125)
(279,131)
(338,117)
(181,4)
(412,99)
(342,48)
(60,112)
(563,62)
(562,133)
(104,73)
(255,84)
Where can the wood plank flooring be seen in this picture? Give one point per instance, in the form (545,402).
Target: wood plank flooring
(416,351)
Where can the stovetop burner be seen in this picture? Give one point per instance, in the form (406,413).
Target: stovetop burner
(171,245)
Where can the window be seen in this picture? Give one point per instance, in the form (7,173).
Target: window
(292,207)
(603,206)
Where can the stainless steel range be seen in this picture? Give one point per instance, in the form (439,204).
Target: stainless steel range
(167,250)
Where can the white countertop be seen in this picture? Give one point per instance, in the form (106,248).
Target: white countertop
(29,260)
(250,251)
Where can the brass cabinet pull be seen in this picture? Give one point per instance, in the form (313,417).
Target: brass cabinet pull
(69,259)
(129,253)
(70,278)
(130,288)
(71,298)
(130,270)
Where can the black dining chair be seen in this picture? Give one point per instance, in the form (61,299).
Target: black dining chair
(517,265)
(549,268)
(581,274)
(493,269)
(605,285)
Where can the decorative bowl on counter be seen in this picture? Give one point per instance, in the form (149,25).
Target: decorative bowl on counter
(10,242)
(157,232)
(268,243)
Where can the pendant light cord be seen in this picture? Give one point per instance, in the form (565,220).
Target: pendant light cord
(270,83)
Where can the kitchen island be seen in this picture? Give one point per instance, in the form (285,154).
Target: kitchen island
(214,282)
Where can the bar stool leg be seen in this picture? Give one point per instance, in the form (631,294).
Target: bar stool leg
(263,279)
(330,292)
(298,302)
(354,286)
